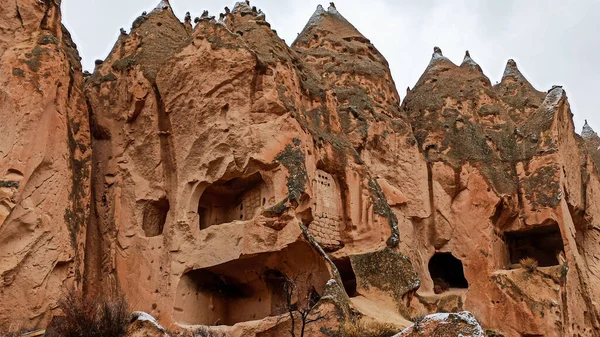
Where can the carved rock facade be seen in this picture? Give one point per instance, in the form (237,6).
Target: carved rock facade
(198,168)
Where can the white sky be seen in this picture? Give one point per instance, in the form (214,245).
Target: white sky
(552,41)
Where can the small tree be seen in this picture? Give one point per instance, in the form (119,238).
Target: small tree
(303,311)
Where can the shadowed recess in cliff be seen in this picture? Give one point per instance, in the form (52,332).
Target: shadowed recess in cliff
(544,244)
(230,200)
(249,288)
(447,271)
(154,216)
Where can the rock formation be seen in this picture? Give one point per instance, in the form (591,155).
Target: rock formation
(45,162)
(199,171)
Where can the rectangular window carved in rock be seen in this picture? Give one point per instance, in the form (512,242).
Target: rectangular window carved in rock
(226,201)
(543,244)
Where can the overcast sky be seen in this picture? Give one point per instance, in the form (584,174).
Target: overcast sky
(552,41)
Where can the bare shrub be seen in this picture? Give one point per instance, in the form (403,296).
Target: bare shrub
(90,316)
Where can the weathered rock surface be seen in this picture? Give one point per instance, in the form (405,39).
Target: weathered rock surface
(461,324)
(201,169)
(44,161)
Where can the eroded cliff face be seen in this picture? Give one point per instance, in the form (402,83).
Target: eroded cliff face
(44,161)
(200,167)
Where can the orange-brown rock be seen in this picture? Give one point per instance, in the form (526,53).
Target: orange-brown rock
(44,162)
(215,177)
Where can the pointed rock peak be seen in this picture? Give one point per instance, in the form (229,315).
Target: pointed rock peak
(437,56)
(588,133)
(242,7)
(331,9)
(316,17)
(329,21)
(163,4)
(513,71)
(468,60)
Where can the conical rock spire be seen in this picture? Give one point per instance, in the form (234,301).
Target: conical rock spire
(588,133)
(468,60)
(163,4)
(511,70)
(437,56)
(329,20)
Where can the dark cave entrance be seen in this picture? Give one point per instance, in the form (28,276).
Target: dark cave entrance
(544,244)
(230,200)
(154,217)
(447,272)
(347,274)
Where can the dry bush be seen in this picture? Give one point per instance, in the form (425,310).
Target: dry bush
(90,316)
(529,263)
(368,329)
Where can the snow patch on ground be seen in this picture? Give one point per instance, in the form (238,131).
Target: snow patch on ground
(142,316)
(443,318)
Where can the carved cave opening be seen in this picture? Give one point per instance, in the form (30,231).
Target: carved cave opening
(544,244)
(229,200)
(447,272)
(344,266)
(154,216)
(247,289)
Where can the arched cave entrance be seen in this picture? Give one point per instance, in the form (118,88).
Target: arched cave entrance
(154,216)
(544,244)
(229,200)
(447,272)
